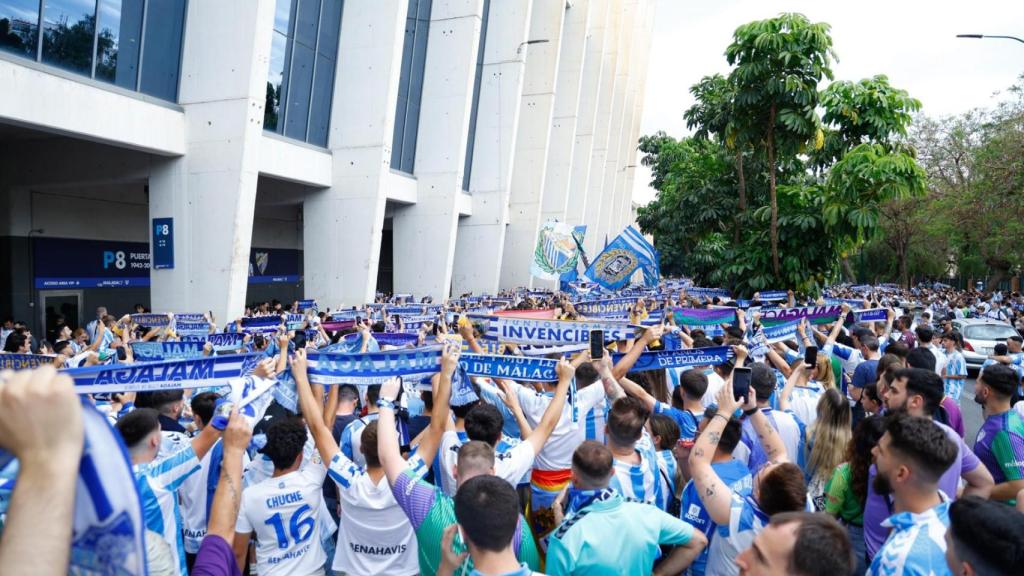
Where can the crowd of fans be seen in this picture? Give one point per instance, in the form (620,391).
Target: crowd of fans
(852,460)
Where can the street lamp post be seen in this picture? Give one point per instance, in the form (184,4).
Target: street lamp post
(980,36)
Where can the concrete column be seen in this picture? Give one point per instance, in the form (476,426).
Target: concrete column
(481,239)
(602,128)
(590,84)
(641,68)
(609,205)
(211,191)
(531,154)
(566,112)
(631,117)
(424,233)
(343,224)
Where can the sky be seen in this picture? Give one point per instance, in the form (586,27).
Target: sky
(913,42)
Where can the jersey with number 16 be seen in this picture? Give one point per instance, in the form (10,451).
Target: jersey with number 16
(283,513)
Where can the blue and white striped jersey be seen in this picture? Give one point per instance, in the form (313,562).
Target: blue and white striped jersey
(916,545)
(641,481)
(352,438)
(158,483)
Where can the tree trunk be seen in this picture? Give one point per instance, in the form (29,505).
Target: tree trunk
(742,185)
(901,262)
(847,270)
(999,273)
(771,191)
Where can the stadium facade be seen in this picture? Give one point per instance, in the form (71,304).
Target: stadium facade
(195,155)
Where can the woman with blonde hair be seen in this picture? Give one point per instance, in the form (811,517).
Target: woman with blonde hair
(827,442)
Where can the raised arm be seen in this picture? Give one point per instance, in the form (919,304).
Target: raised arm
(312,410)
(466,331)
(228,496)
(625,364)
(778,361)
(510,398)
(637,391)
(714,493)
(797,376)
(388,449)
(770,440)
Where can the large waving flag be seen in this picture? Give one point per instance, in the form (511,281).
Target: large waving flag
(629,252)
(556,251)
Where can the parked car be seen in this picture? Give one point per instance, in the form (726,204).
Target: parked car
(980,337)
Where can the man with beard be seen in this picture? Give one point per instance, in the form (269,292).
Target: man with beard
(911,457)
(919,392)
(1000,441)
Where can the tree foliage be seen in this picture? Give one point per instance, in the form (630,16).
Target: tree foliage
(800,191)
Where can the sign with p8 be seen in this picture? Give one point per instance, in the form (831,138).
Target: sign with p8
(163,243)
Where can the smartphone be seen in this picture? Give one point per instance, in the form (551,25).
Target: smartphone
(740,382)
(811,356)
(596,344)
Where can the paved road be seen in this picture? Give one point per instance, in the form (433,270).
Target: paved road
(971,411)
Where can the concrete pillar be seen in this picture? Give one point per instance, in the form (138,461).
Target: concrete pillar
(602,128)
(531,154)
(590,84)
(211,191)
(424,233)
(609,205)
(642,67)
(566,112)
(342,224)
(620,217)
(481,238)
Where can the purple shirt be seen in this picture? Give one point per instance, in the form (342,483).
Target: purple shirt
(956,418)
(877,507)
(215,558)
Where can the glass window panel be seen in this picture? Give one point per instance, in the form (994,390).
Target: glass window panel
(275,82)
(323,80)
(282,16)
(467,169)
(68,27)
(118,42)
(19,27)
(402,108)
(300,82)
(161,53)
(307,22)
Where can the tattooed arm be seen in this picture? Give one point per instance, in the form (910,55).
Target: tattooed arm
(714,493)
(770,439)
(228,496)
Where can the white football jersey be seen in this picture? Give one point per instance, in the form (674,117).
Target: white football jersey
(284,513)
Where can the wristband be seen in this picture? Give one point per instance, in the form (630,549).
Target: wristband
(722,416)
(384,403)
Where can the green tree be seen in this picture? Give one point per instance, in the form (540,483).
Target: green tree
(711,117)
(778,65)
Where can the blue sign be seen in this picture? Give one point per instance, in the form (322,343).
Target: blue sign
(67,263)
(163,243)
(274,266)
(74,263)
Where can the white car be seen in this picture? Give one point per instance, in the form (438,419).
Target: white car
(980,337)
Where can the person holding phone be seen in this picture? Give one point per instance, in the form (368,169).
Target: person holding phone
(789,428)
(778,484)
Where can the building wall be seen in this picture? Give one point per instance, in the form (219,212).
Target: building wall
(555,93)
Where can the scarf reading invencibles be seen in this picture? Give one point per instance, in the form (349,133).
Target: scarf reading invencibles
(602,308)
(152,320)
(538,331)
(24,361)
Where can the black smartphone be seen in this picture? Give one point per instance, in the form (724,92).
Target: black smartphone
(596,344)
(740,382)
(811,356)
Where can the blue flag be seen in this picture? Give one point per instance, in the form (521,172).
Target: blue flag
(629,252)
